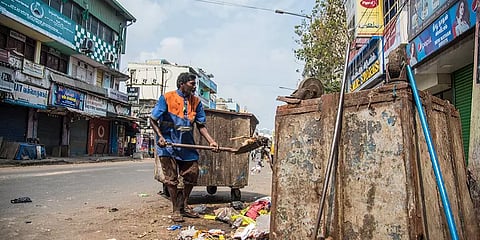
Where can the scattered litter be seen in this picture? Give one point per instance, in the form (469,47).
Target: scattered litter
(142,235)
(244,232)
(143,195)
(209,217)
(200,209)
(28,221)
(174,227)
(21,200)
(113,210)
(237,205)
(187,233)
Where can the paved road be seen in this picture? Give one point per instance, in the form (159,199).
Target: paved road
(62,190)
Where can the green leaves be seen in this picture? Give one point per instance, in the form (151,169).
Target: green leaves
(322,43)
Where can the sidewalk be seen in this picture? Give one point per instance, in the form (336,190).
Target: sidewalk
(64,160)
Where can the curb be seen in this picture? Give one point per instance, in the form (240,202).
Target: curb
(60,161)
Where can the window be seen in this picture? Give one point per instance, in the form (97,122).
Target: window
(108,35)
(53,59)
(390,8)
(77,14)
(29,52)
(56,4)
(67,9)
(93,25)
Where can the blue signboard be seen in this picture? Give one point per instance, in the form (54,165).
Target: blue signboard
(29,96)
(67,97)
(454,22)
(41,17)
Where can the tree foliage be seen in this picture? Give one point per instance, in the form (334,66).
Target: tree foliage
(322,43)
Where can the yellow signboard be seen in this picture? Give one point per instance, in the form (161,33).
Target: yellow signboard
(369,18)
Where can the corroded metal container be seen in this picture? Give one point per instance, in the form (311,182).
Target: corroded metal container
(384,185)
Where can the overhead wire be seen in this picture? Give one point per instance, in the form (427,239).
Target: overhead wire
(235,5)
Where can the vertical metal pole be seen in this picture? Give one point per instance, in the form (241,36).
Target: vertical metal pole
(334,147)
(433,157)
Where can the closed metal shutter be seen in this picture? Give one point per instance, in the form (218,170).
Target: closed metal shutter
(13,123)
(78,138)
(49,131)
(462,99)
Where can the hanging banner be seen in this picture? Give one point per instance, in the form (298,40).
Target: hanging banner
(33,69)
(451,24)
(29,96)
(67,97)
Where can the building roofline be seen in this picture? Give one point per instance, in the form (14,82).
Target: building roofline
(123,11)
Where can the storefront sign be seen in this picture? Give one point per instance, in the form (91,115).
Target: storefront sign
(32,69)
(370,18)
(133,94)
(15,61)
(6,79)
(118,109)
(447,27)
(41,17)
(67,97)
(423,12)
(117,95)
(30,96)
(96,105)
(366,68)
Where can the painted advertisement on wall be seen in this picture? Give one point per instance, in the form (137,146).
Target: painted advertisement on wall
(369,18)
(66,97)
(29,96)
(41,17)
(98,135)
(367,67)
(451,24)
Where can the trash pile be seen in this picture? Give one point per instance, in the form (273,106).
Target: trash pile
(250,222)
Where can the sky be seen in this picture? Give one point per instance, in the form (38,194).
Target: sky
(250,52)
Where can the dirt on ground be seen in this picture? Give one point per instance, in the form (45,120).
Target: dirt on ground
(148,220)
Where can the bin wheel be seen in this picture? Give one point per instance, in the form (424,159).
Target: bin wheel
(235,194)
(212,189)
(165,190)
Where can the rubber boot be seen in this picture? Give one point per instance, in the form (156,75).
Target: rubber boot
(177,200)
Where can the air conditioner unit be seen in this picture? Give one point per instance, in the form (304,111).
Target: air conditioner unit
(87,45)
(109,58)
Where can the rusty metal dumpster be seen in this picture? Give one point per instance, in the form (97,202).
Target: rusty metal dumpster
(385,186)
(223,169)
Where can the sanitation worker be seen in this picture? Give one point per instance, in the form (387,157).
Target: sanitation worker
(173,119)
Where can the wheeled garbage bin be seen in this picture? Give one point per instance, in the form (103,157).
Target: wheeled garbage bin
(223,169)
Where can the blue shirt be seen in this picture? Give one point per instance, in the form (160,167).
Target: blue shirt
(176,114)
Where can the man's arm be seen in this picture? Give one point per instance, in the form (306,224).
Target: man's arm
(161,140)
(203,130)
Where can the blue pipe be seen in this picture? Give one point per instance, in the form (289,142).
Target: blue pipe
(433,157)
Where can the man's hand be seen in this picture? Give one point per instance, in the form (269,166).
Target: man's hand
(214,144)
(162,142)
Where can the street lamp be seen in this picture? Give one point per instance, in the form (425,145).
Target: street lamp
(290,13)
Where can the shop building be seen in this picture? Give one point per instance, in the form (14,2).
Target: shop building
(59,62)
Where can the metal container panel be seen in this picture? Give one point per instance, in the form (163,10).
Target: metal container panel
(224,168)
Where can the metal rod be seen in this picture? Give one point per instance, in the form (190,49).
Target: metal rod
(433,157)
(334,147)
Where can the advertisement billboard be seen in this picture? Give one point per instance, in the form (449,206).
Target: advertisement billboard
(451,24)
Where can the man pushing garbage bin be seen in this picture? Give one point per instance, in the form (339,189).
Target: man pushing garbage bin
(173,120)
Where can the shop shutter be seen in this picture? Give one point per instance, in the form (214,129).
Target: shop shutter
(78,138)
(462,85)
(49,131)
(13,123)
